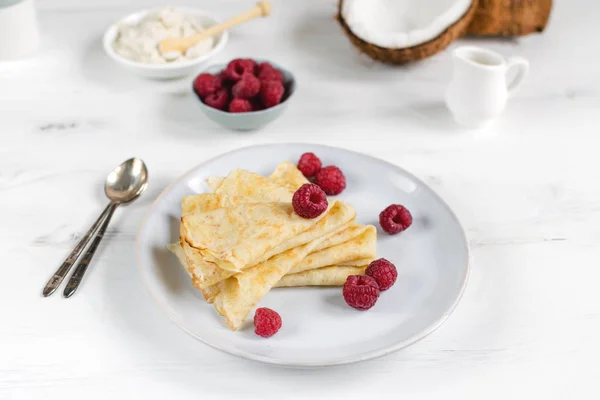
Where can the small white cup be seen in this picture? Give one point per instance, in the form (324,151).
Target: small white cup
(19,32)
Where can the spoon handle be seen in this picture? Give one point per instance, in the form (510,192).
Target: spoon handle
(77,275)
(66,266)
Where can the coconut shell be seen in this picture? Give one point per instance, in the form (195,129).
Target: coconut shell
(510,17)
(414,53)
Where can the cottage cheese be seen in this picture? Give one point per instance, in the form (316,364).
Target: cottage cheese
(139,42)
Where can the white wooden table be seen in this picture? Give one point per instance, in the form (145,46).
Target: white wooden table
(527,190)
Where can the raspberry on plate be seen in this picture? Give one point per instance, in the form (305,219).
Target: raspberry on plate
(331,180)
(237,68)
(218,99)
(240,106)
(395,218)
(384,273)
(309,164)
(266,322)
(271,93)
(266,72)
(309,201)
(360,292)
(206,84)
(247,87)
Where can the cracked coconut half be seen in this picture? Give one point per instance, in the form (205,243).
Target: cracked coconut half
(400,31)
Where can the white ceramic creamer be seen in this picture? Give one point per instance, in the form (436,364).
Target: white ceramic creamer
(479,89)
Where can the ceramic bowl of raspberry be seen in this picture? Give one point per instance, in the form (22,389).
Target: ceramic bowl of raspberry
(244,94)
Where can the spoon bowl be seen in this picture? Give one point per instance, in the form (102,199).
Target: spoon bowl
(127,181)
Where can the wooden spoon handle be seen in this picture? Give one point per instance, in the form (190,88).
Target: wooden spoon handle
(261,9)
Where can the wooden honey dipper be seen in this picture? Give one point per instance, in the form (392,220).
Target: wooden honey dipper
(261,9)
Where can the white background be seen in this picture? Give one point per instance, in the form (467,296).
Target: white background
(526,189)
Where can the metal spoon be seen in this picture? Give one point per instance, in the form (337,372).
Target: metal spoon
(124,184)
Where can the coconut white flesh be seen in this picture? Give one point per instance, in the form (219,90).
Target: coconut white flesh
(398,24)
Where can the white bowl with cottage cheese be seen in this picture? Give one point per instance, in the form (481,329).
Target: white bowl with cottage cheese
(133,42)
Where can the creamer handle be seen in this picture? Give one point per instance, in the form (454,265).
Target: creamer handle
(521,66)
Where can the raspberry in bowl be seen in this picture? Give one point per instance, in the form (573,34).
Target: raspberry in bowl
(244,94)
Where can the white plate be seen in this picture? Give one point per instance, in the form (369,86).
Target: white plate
(319,329)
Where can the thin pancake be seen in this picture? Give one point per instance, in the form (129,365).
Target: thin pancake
(241,292)
(334,275)
(244,187)
(362,247)
(253,189)
(328,254)
(285,174)
(355,229)
(240,186)
(288,175)
(236,237)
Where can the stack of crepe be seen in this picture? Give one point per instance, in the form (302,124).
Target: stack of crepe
(244,238)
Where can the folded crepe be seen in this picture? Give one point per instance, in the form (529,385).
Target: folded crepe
(358,251)
(208,274)
(355,229)
(245,187)
(213,182)
(330,251)
(254,188)
(286,174)
(238,187)
(236,237)
(241,292)
(355,246)
(334,275)
(356,240)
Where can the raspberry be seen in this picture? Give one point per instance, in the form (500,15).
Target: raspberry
(266,72)
(266,322)
(331,180)
(309,164)
(218,99)
(394,219)
(384,273)
(256,104)
(206,84)
(240,106)
(309,201)
(246,88)
(236,68)
(271,93)
(250,64)
(360,292)
(225,81)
